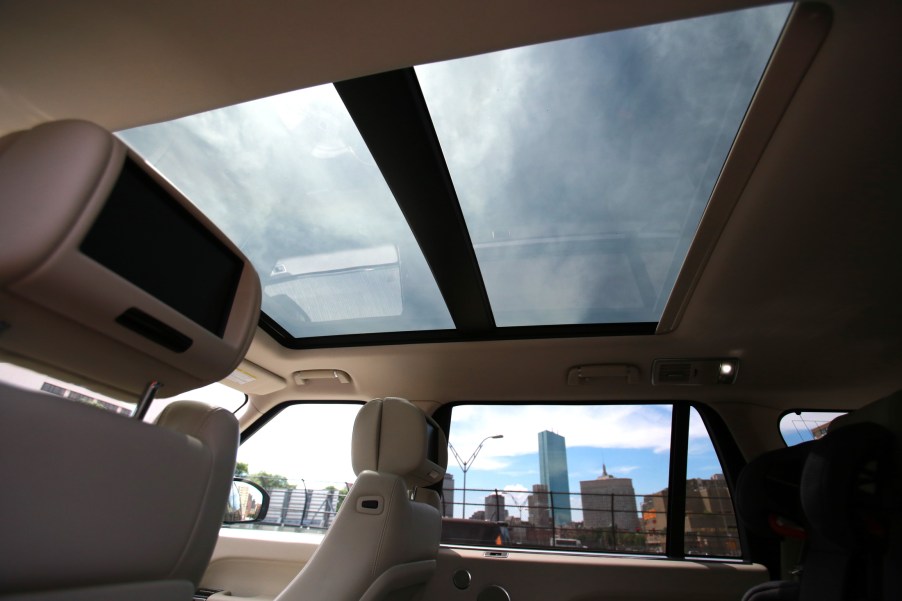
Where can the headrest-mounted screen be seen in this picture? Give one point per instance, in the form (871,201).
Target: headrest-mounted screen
(109,274)
(142,227)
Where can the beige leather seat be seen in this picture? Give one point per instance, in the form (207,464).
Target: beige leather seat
(96,505)
(383,544)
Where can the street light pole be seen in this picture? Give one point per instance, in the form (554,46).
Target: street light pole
(466,465)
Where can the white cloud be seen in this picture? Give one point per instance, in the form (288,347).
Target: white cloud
(615,426)
(619,470)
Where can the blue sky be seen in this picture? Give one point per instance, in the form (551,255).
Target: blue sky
(631,440)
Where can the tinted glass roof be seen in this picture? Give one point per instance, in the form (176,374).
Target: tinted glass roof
(291,182)
(581,167)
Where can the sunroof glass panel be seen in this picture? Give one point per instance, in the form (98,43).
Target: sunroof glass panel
(583,166)
(291,182)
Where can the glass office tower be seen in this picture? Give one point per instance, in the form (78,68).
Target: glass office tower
(553,470)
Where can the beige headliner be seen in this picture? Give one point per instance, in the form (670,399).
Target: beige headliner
(802,284)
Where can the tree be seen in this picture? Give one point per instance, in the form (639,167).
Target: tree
(241,470)
(270,481)
(342,495)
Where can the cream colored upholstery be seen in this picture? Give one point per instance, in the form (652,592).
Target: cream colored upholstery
(382,545)
(95,505)
(64,309)
(95,499)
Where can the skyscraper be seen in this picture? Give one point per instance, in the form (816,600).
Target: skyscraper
(539,515)
(609,502)
(448,496)
(553,472)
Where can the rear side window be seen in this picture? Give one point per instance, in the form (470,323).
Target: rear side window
(32,380)
(582,478)
(801,426)
(216,394)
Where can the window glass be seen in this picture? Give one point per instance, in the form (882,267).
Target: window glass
(583,166)
(559,477)
(581,477)
(302,457)
(802,426)
(32,380)
(710,524)
(290,180)
(216,394)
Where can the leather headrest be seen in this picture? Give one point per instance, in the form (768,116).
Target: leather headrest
(886,412)
(768,497)
(848,485)
(392,435)
(108,274)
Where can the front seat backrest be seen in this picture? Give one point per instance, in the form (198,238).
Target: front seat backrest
(383,543)
(99,506)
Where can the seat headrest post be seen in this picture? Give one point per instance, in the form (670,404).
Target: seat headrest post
(146,399)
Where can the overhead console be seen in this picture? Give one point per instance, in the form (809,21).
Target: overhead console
(108,273)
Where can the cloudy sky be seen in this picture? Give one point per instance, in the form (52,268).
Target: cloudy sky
(582,167)
(632,441)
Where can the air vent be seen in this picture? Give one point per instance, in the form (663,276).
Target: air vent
(694,372)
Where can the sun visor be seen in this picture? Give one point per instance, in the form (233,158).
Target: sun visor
(108,273)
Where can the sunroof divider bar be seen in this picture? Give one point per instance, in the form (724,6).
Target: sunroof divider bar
(391,114)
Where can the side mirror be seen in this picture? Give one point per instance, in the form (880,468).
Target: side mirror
(248,502)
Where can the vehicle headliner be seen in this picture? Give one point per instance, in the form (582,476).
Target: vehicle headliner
(795,278)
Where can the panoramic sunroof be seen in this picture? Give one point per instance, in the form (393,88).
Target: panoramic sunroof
(582,168)
(290,181)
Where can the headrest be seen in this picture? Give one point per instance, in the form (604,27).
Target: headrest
(850,486)
(392,435)
(108,274)
(768,497)
(886,412)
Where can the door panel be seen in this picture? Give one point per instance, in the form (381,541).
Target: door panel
(258,563)
(566,577)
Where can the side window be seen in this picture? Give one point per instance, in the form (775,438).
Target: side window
(801,426)
(592,478)
(215,394)
(32,380)
(302,457)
